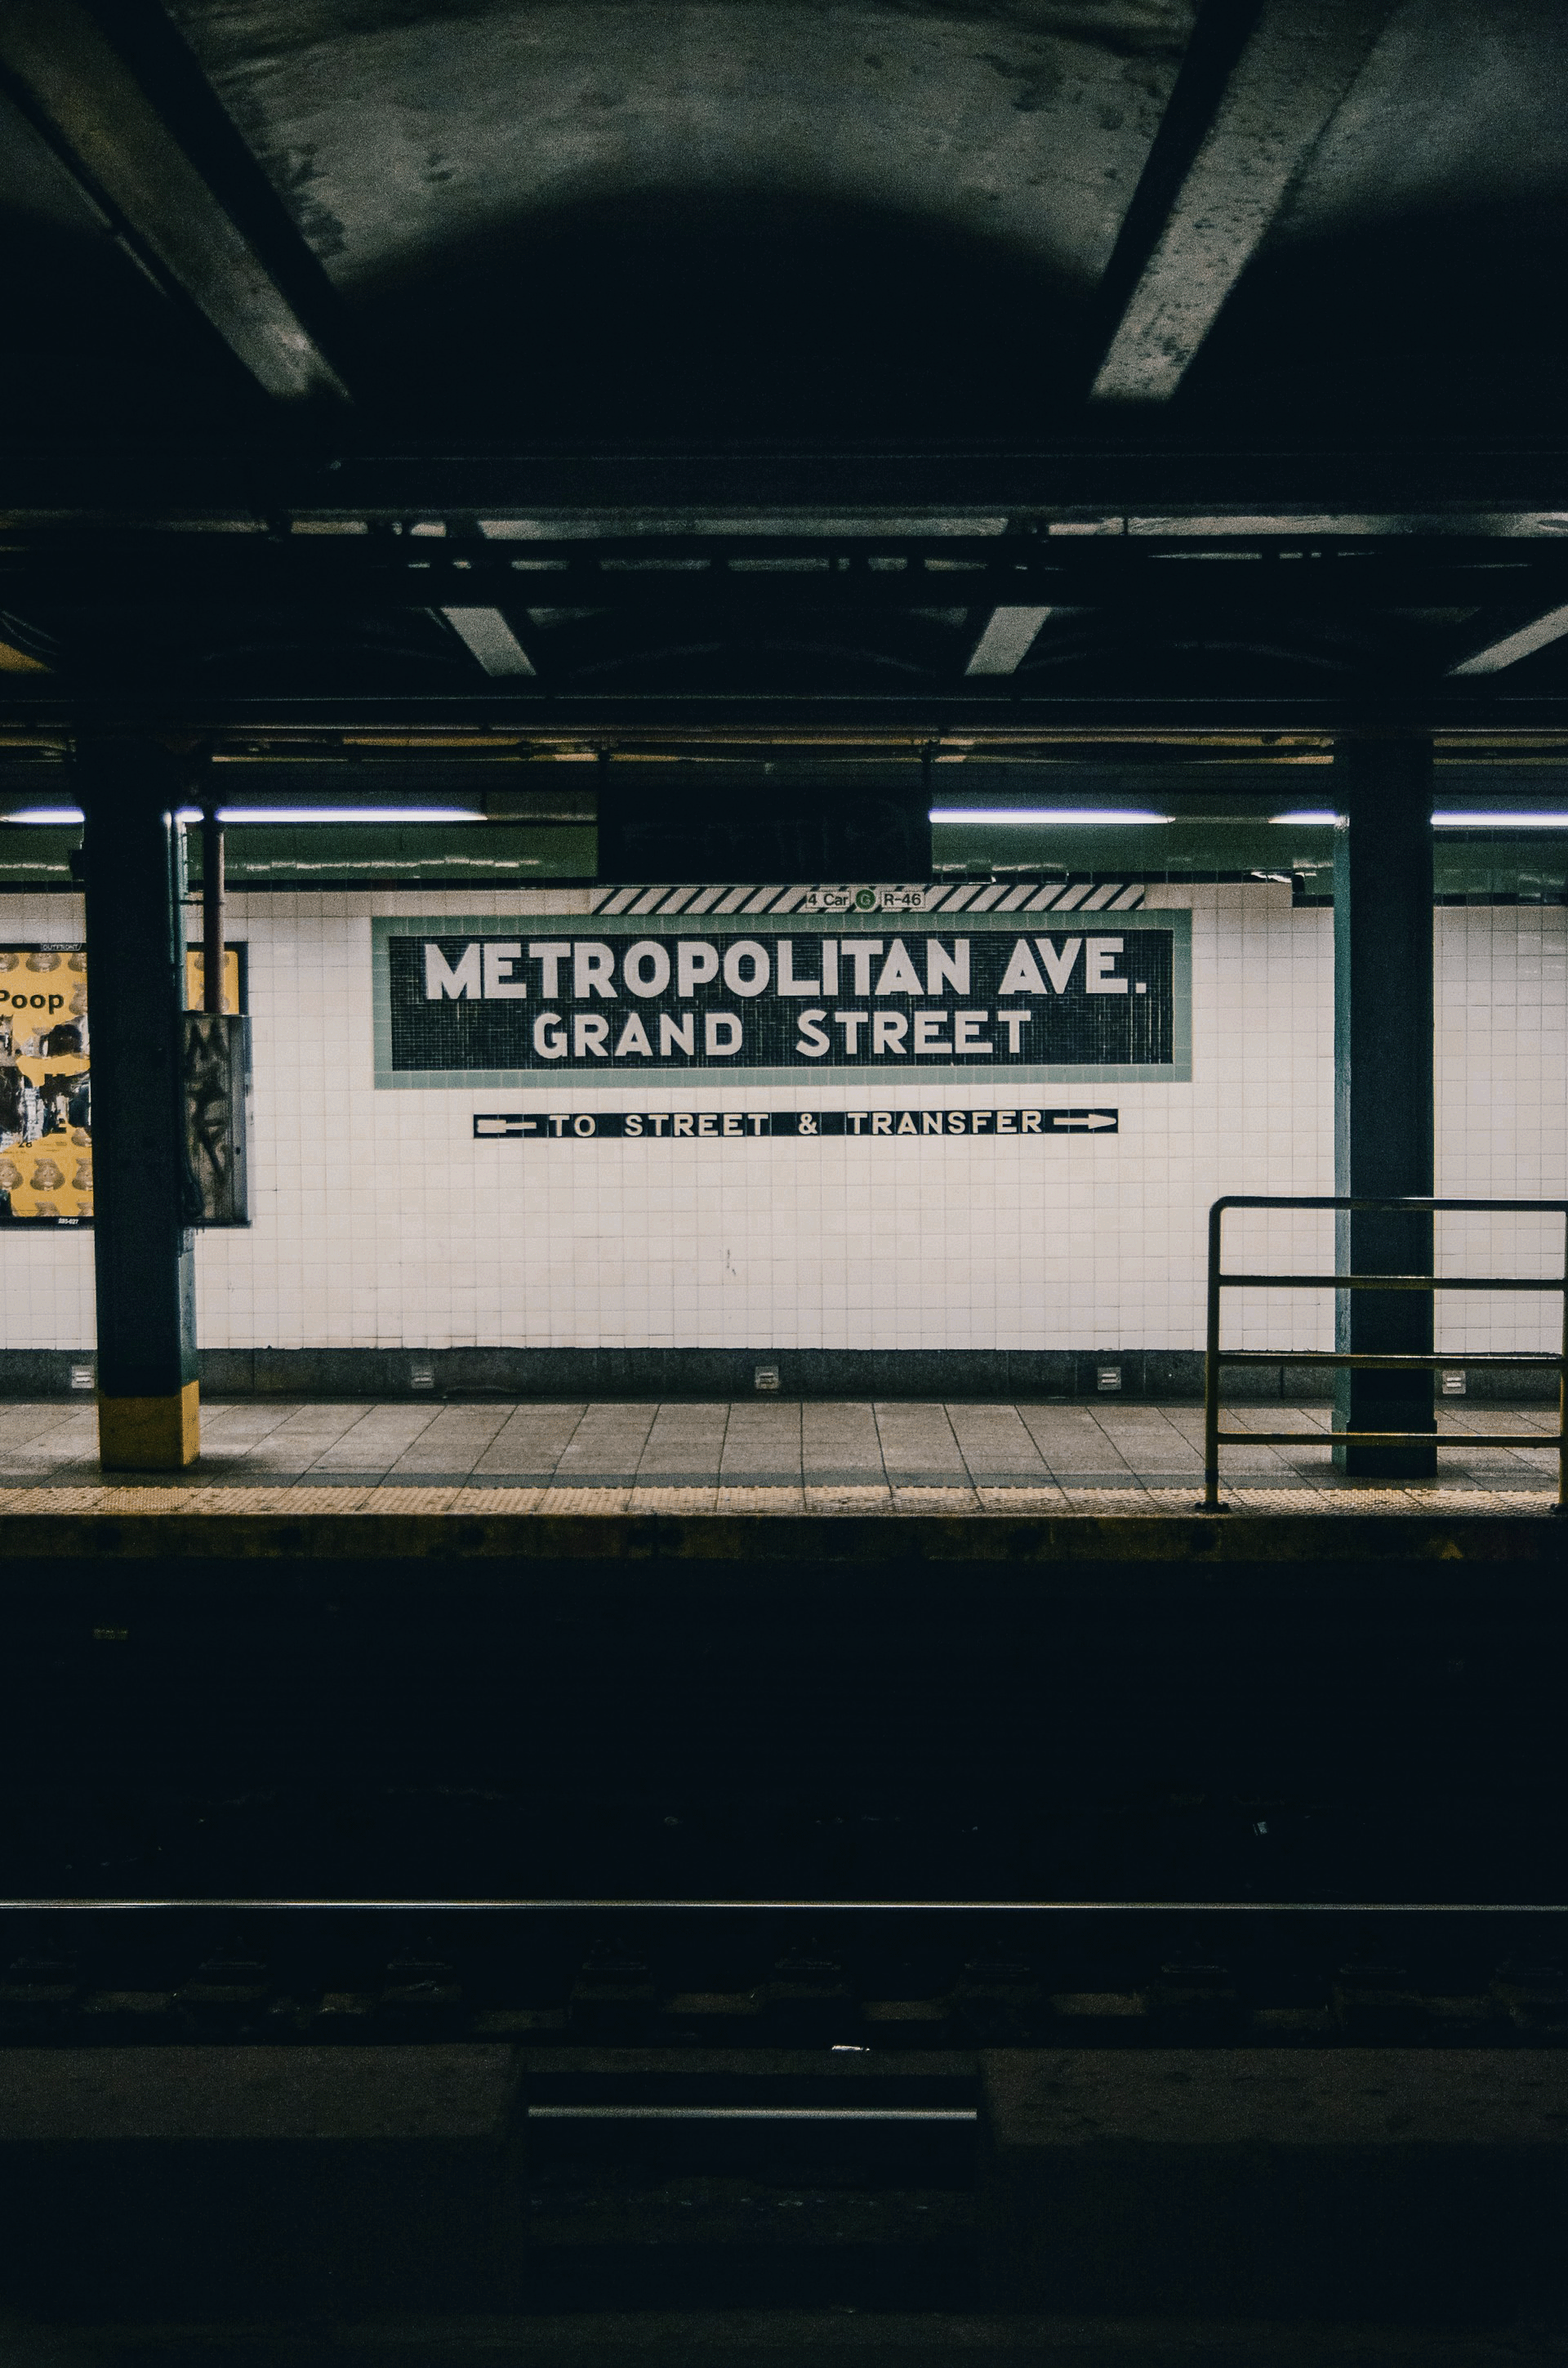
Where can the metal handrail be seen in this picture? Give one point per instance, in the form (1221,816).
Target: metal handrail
(1369,1361)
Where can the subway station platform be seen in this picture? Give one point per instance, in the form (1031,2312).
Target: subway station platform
(524,1468)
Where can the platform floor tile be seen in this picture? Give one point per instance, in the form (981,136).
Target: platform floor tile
(866,1457)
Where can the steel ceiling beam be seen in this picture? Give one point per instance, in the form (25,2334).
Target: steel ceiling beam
(1506,649)
(1260,83)
(969,709)
(1019,578)
(1010,633)
(486,635)
(123,105)
(1106,485)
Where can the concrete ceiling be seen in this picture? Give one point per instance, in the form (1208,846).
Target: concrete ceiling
(1024,267)
(745,213)
(635,218)
(1459,108)
(402,137)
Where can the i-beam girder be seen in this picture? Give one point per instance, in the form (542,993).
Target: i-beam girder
(1007,715)
(1288,575)
(1259,85)
(1109,481)
(121,103)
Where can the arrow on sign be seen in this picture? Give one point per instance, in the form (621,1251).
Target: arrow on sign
(1090,1119)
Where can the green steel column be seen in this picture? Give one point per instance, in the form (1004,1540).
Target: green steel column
(143,1251)
(1382,1063)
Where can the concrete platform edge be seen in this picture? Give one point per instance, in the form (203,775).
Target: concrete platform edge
(806,2338)
(1194,1540)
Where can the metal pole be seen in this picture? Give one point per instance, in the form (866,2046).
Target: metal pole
(1212,1373)
(1562,1391)
(142,1251)
(211,911)
(1383,1092)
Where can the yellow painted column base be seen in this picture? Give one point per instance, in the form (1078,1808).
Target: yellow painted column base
(161,1434)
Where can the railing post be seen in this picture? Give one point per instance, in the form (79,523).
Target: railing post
(1383,1104)
(1212,1370)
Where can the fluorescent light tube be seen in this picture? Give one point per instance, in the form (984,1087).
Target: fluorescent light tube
(275,813)
(1446,820)
(1015,815)
(348,813)
(1537,821)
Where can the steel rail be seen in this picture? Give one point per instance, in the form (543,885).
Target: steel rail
(1392,1282)
(523,1907)
(752,2114)
(1375,1437)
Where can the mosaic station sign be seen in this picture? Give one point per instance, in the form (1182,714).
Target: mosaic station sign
(489,1003)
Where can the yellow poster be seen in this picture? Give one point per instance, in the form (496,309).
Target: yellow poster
(195,971)
(46,1141)
(46,1160)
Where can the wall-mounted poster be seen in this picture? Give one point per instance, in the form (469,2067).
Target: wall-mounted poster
(785,997)
(45,1166)
(46,1128)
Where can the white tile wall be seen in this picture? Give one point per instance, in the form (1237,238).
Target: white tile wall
(380,1221)
(1502,1080)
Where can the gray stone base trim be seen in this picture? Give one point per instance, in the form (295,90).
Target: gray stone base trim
(45,1373)
(1152,1376)
(700,1373)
